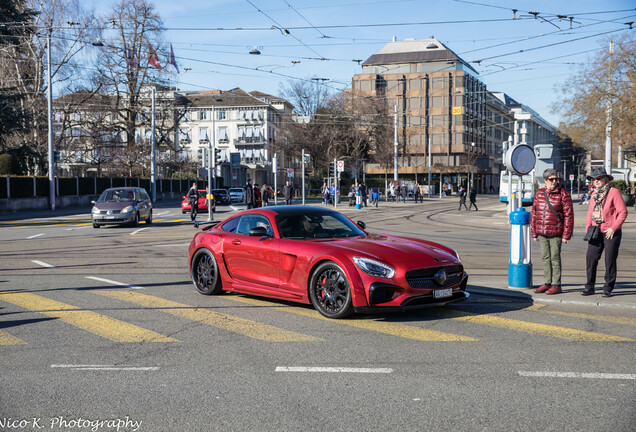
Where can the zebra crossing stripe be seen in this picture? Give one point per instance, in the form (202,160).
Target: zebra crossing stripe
(101,325)
(231,323)
(9,339)
(393,329)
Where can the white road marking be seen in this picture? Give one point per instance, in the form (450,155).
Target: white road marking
(43,264)
(234,208)
(106,367)
(594,375)
(173,245)
(114,282)
(162,213)
(136,231)
(77,228)
(34,236)
(332,369)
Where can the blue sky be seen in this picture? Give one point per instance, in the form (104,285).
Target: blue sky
(212,40)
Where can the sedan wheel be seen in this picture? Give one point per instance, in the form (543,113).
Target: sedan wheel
(205,273)
(330,292)
(149,220)
(135,222)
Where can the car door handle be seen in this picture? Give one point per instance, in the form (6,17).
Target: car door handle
(236,242)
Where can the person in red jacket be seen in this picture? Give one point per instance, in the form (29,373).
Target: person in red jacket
(608,211)
(551,224)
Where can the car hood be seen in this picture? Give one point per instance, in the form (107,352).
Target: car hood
(105,205)
(396,249)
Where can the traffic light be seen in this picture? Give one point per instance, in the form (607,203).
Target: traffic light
(332,169)
(217,157)
(57,155)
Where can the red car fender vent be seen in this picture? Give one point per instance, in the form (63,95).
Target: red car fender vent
(382,293)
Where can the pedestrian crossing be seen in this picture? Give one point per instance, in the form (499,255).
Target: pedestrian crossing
(113,329)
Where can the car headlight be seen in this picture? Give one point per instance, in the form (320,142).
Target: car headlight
(95,210)
(127,209)
(374,268)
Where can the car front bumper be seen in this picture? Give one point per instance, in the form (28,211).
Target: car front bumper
(114,219)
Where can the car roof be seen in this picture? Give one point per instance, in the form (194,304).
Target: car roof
(123,188)
(292,210)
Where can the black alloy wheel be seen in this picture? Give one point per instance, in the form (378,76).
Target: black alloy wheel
(330,292)
(205,273)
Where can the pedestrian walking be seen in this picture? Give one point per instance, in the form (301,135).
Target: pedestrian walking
(193,200)
(352,195)
(375,196)
(403,192)
(325,194)
(416,193)
(258,201)
(607,211)
(364,193)
(288,192)
(462,198)
(551,225)
(265,195)
(473,199)
(249,194)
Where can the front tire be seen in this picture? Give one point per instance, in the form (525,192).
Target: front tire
(330,292)
(205,273)
(149,220)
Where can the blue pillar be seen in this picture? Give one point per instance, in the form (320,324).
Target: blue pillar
(520,264)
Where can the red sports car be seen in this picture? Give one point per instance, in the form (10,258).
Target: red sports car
(203,202)
(319,256)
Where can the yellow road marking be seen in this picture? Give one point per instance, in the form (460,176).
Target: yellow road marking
(8,339)
(102,325)
(393,329)
(226,322)
(529,327)
(612,319)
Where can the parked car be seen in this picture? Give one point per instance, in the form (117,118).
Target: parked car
(122,205)
(236,194)
(319,256)
(203,202)
(221,196)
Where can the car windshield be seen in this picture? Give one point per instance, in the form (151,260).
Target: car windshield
(316,226)
(117,195)
(235,190)
(218,192)
(202,194)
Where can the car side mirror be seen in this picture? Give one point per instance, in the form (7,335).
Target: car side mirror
(258,232)
(361,224)
(93,202)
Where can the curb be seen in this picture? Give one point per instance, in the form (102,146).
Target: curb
(542,299)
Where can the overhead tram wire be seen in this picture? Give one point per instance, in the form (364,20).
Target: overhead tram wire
(548,46)
(306,20)
(286,31)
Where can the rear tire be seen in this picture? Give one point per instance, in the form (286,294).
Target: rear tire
(205,273)
(330,291)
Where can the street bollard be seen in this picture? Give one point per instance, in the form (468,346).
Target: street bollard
(358,200)
(520,264)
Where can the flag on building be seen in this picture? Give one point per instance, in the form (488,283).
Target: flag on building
(153,59)
(173,60)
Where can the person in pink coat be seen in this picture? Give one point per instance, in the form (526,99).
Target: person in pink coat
(607,210)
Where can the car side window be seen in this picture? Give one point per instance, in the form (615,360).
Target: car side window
(249,222)
(144,195)
(230,226)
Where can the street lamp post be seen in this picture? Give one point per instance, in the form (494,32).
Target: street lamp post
(153,153)
(50,138)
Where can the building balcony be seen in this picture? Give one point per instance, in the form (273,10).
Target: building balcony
(250,141)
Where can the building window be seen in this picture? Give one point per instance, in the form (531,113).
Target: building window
(203,134)
(223,135)
(438,82)
(438,120)
(414,84)
(222,115)
(365,85)
(439,101)
(203,115)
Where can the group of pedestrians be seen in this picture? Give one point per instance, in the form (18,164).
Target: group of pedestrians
(552,225)
(462,198)
(256,196)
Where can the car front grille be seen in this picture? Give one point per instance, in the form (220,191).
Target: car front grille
(111,212)
(424,278)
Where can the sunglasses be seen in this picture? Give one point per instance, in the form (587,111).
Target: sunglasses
(552,179)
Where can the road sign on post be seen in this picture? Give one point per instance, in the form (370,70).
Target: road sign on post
(340,166)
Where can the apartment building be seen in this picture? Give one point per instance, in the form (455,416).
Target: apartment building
(243,127)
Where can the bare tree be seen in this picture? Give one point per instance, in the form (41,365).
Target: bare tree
(307,96)
(23,65)
(607,78)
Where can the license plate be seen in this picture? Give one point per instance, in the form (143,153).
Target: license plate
(109,217)
(443,293)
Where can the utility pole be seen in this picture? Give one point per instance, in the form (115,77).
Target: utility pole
(395,145)
(153,153)
(608,127)
(49,92)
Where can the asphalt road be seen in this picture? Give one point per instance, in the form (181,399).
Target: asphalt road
(101,329)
